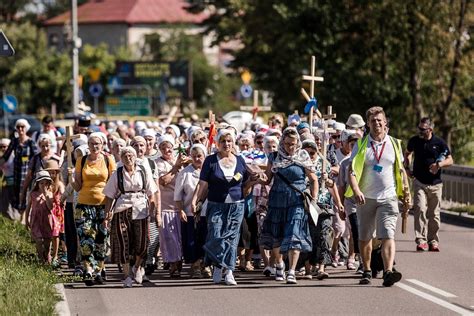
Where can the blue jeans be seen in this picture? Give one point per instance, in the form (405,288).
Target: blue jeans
(223,229)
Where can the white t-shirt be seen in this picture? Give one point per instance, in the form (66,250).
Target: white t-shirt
(379,184)
(186,182)
(138,201)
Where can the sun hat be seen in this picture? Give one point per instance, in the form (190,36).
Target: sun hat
(42,175)
(51,165)
(355,121)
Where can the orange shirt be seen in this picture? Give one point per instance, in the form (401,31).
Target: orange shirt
(94,179)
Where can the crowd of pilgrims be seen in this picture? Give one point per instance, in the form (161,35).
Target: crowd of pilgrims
(154,196)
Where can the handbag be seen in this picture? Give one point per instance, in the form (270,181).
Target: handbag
(310,204)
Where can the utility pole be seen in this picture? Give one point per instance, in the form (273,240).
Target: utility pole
(76,44)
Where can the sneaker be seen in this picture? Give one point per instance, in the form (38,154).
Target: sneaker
(350,264)
(138,274)
(99,279)
(88,279)
(55,264)
(391,277)
(217,275)
(422,247)
(335,261)
(268,271)
(360,268)
(291,279)
(128,282)
(64,258)
(434,247)
(280,272)
(366,278)
(78,271)
(229,278)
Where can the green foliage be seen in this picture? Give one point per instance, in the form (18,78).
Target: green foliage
(26,287)
(401,55)
(469,209)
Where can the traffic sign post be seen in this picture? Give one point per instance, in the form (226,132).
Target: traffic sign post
(95,91)
(6,49)
(9,104)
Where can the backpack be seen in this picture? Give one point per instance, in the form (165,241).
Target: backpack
(141,169)
(106,158)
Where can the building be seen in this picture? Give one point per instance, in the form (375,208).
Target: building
(121,23)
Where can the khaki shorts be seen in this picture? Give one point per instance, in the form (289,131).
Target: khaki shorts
(378,218)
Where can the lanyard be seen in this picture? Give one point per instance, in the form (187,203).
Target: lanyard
(375,151)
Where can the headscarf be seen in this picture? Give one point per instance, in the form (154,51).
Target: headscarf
(23,122)
(200,146)
(165,138)
(128,149)
(136,140)
(300,157)
(224,132)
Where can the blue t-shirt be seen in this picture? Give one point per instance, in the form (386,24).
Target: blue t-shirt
(219,187)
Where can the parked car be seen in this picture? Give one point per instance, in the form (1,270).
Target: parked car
(34,122)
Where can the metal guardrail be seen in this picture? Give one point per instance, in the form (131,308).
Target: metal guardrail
(458,184)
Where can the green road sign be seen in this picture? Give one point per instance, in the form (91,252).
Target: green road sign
(127,105)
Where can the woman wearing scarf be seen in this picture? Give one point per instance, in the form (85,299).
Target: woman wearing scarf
(224,179)
(286,229)
(23,148)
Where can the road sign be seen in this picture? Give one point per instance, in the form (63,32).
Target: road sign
(6,48)
(95,90)
(9,103)
(246,91)
(94,74)
(119,105)
(246,77)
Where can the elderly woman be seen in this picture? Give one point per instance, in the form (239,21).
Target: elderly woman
(116,148)
(193,228)
(225,179)
(170,231)
(285,229)
(91,174)
(39,161)
(23,148)
(132,187)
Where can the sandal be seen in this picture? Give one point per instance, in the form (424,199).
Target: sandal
(322,275)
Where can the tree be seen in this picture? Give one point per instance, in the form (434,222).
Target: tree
(411,57)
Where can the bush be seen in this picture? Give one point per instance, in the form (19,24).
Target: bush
(469,209)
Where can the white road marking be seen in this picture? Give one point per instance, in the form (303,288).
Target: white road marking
(431,288)
(440,302)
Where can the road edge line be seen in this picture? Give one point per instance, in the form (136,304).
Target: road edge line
(431,288)
(440,302)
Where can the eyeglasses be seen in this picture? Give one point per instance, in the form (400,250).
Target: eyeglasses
(3,146)
(421,129)
(336,136)
(259,142)
(20,126)
(199,140)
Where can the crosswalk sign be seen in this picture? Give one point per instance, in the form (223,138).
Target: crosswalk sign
(6,48)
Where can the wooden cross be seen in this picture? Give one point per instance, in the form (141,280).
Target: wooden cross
(69,147)
(329,115)
(255,108)
(311,78)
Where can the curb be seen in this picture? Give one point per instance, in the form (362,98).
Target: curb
(459,218)
(62,307)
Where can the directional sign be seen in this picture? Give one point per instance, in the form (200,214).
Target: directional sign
(9,103)
(6,48)
(246,91)
(130,105)
(95,90)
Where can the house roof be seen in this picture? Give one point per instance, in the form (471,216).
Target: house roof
(131,12)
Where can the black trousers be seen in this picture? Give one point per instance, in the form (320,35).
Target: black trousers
(355,231)
(71,234)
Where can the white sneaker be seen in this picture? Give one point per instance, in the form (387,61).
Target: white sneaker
(128,282)
(217,275)
(269,271)
(229,278)
(137,274)
(280,272)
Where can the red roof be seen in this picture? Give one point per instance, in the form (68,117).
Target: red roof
(131,12)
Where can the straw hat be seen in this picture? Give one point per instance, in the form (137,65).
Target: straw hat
(51,165)
(42,175)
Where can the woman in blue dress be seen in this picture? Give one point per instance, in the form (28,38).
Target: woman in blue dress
(285,229)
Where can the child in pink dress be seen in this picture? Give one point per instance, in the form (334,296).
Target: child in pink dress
(39,217)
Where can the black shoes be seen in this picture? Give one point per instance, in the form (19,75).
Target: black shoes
(391,277)
(366,278)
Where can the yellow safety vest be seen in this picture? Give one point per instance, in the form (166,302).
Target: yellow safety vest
(359,161)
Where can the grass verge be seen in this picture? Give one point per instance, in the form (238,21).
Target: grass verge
(469,209)
(26,287)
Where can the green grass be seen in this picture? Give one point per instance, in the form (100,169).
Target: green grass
(463,209)
(26,287)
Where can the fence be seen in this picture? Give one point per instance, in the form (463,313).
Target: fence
(458,184)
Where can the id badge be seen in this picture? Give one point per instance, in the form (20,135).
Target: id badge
(378,168)
(237,176)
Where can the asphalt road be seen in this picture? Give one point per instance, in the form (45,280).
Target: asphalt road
(433,284)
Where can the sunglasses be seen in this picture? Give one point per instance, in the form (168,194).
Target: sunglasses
(421,129)
(20,126)
(335,136)
(199,140)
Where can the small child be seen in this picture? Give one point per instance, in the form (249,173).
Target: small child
(42,221)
